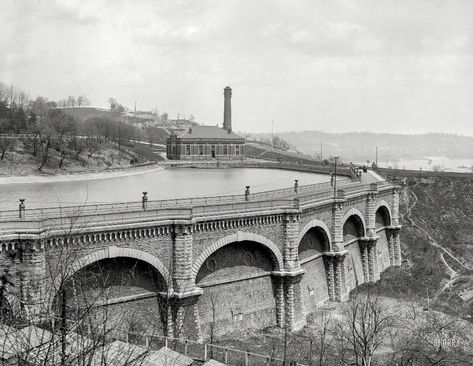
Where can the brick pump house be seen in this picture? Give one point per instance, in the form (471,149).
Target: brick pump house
(208,142)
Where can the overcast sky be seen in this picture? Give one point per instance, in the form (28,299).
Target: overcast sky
(332,65)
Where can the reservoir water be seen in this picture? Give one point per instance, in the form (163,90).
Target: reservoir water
(160,184)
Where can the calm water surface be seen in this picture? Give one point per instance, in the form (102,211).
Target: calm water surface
(162,184)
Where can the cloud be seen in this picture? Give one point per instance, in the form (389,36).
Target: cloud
(287,61)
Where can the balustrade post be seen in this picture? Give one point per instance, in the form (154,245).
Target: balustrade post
(144,201)
(22,209)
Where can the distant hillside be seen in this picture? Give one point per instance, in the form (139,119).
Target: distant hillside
(361,146)
(84,113)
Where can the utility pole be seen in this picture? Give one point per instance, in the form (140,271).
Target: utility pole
(134,115)
(376,156)
(272,134)
(335,178)
(321,150)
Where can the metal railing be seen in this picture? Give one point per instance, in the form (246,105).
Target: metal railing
(201,351)
(187,208)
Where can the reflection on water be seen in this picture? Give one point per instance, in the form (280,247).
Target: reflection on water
(163,184)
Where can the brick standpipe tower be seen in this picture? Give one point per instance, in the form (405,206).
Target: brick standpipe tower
(227,109)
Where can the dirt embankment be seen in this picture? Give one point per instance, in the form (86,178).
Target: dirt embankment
(437,245)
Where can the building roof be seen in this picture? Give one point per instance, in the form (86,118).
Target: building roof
(212,362)
(167,357)
(208,132)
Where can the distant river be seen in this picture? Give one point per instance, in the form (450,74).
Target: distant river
(160,184)
(431,162)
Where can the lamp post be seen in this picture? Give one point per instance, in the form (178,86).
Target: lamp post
(335,178)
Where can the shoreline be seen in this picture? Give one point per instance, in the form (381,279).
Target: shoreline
(156,166)
(81,175)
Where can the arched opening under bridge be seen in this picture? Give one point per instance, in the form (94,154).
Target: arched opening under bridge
(114,296)
(238,289)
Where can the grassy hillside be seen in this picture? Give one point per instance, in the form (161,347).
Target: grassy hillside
(18,160)
(262,151)
(84,113)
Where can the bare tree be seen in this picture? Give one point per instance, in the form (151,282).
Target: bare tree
(320,346)
(5,142)
(72,323)
(431,338)
(113,103)
(77,145)
(71,101)
(363,328)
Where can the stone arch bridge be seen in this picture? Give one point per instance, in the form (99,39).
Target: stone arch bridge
(270,258)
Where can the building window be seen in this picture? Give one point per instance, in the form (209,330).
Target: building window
(225,149)
(237,150)
(188,149)
(201,149)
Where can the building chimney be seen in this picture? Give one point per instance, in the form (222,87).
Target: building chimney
(227,109)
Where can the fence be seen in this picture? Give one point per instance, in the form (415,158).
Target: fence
(202,352)
(187,208)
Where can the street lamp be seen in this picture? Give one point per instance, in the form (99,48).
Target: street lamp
(335,178)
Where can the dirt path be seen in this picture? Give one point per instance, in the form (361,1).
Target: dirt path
(432,241)
(453,274)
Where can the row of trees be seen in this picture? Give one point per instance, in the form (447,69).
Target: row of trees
(11,96)
(73,102)
(50,129)
(368,331)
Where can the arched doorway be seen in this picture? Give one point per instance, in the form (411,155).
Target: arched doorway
(353,229)
(114,296)
(314,282)
(238,289)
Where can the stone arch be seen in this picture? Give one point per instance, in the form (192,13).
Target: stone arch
(314,223)
(115,252)
(238,237)
(385,212)
(359,216)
